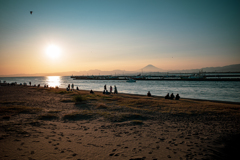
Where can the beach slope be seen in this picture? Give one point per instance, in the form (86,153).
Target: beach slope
(48,123)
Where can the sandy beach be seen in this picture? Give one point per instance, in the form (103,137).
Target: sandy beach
(46,123)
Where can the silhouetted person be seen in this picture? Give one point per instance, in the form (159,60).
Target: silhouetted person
(30,83)
(91,92)
(67,89)
(115,90)
(177,97)
(110,89)
(105,87)
(69,86)
(77,88)
(149,94)
(72,86)
(104,91)
(31,12)
(172,96)
(107,92)
(167,96)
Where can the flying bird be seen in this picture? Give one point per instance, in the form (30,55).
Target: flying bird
(31,12)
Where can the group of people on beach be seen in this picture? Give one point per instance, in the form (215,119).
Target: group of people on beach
(105,91)
(167,96)
(69,85)
(172,96)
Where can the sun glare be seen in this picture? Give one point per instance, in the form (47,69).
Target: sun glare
(53,81)
(53,51)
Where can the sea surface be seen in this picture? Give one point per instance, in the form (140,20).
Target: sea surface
(206,90)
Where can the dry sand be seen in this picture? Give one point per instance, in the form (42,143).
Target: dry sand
(44,123)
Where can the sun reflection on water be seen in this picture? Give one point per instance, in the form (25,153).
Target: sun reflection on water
(53,81)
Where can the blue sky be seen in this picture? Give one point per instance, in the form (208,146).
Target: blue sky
(107,34)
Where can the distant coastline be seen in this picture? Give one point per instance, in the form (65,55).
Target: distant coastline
(149,69)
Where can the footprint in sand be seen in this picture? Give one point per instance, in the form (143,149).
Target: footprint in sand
(74,154)
(117,154)
(111,154)
(137,158)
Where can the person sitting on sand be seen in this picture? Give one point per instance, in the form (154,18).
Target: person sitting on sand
(149,94)
(67,89)
(172,96)
(104,91)
(91,92)
(77,88)
(177,97)
(107,92)
(167,96)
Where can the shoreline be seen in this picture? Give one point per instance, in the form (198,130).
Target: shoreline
(217,101)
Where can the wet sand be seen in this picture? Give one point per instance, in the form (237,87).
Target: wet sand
(43,123)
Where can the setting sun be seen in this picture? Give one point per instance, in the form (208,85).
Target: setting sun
(53,51)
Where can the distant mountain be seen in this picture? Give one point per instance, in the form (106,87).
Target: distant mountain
(229,68)
(151,68)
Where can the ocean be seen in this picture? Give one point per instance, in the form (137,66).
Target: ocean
(205,90)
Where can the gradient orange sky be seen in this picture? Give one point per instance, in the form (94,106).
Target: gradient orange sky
(109,35)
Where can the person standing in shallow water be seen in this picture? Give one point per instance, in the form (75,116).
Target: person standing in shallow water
(105,87)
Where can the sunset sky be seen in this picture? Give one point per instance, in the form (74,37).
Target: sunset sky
(79,35)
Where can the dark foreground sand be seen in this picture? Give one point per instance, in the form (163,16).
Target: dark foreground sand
(40,123)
